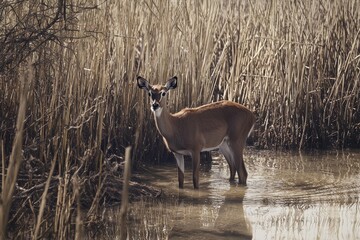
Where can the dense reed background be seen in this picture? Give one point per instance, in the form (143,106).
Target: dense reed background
(296,64)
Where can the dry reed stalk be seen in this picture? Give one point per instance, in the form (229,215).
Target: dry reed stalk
(2,165)
(43,200)
(64,204)
(78,221)
(9,181)
(125,194)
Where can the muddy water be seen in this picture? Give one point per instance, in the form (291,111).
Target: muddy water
(288,196)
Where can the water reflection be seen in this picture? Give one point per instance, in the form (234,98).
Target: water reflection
(213,212)
(219,214)
(289,196)
(304,196)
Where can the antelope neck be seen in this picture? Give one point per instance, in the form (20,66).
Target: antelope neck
(163,123)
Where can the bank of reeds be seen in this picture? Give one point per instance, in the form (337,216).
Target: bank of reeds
(295,64)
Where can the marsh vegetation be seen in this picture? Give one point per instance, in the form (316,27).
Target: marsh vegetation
(69,104)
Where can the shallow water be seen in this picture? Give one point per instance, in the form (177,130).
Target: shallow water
(288,196)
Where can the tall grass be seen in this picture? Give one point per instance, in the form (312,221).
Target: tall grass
(295,64)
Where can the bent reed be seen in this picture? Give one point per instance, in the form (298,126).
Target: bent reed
(295,64)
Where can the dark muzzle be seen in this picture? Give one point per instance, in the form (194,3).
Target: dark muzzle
(155,106)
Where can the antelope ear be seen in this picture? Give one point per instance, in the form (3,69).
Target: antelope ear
(171,83)
(143,83)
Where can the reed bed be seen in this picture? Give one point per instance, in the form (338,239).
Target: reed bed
(296,65)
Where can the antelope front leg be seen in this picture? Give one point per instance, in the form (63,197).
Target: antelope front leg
(180,178)
(196,168)
(181,169)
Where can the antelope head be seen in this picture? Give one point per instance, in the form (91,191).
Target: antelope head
(157,92)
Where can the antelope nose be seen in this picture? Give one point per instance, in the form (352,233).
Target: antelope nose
(155,106)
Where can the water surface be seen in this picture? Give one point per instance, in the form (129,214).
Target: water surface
(288,196)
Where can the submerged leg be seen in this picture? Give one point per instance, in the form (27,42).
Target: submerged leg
(180,178)
(241,170)
(196,168)
(239,163)
(181,168)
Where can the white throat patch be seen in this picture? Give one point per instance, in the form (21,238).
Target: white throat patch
(157,112)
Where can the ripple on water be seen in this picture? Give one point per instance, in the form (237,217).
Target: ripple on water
(314,196)
(288,196)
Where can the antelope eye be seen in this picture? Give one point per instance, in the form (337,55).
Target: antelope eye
(163,94)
